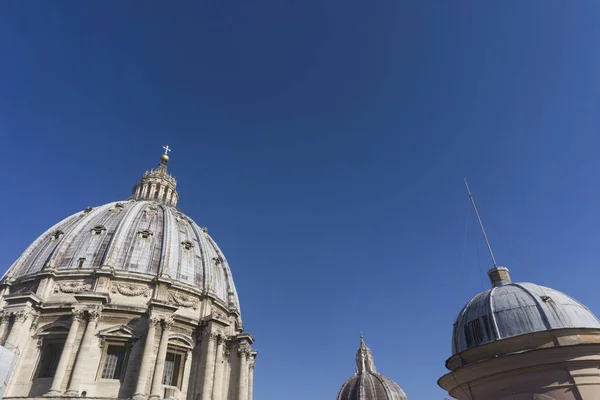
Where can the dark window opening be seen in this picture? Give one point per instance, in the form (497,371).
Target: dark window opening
(80,262)
(173,368)
(474,334)
(50,355)
(114,362)
(98,230)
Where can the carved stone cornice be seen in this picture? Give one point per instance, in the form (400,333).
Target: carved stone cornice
(131,290)
(72,287)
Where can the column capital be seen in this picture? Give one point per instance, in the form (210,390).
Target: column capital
(211,335)
(94,314)
(78,315)
(21,315)
(154,320)
(220,338)
(167,323)
(243,350)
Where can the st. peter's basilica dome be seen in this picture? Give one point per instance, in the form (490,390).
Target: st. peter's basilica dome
(131,299)
(367,383)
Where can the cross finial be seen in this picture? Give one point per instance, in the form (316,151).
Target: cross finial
(167,149)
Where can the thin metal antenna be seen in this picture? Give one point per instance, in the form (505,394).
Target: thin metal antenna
(487,242)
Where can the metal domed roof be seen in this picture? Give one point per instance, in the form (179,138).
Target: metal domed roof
(366,383)
(144,235)
(511,309)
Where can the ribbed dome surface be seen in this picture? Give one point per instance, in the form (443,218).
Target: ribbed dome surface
(367,386)
(367,383)
(514,309)
(139,236)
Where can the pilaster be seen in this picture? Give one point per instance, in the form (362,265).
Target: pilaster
(65,356)
(146,367)
(209,363)
(88,335)
(244,354)
(160,359)
(219,369)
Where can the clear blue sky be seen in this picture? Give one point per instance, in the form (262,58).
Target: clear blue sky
(323,143)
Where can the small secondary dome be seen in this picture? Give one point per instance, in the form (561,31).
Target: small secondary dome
(510,309)
(367,384)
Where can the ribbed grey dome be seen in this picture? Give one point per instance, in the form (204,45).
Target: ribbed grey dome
(145,235)
(367,384)
(512,309)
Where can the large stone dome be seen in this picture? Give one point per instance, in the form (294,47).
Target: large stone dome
(510,309)
(131,299)
(139,236)
(367,383)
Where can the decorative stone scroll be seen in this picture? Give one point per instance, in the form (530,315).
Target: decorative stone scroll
(131,290)
(34,323)
(182,300)
(72,287)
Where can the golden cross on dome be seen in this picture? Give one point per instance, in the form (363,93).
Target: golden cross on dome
(167,149)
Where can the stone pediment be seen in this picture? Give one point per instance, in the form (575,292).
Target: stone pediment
(122,332)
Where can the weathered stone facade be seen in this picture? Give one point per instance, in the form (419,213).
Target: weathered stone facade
(128,300)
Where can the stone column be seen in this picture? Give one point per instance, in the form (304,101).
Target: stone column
(80,361)
(186,374)
(14,336)
(251,381)
(244,353)
(209,366)
(146,367)
(65,356)
(4,325)
(159,369)
(218,381)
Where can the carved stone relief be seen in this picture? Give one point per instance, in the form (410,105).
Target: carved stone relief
(215,313)
(182,300)
(72,287)
(131,290)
